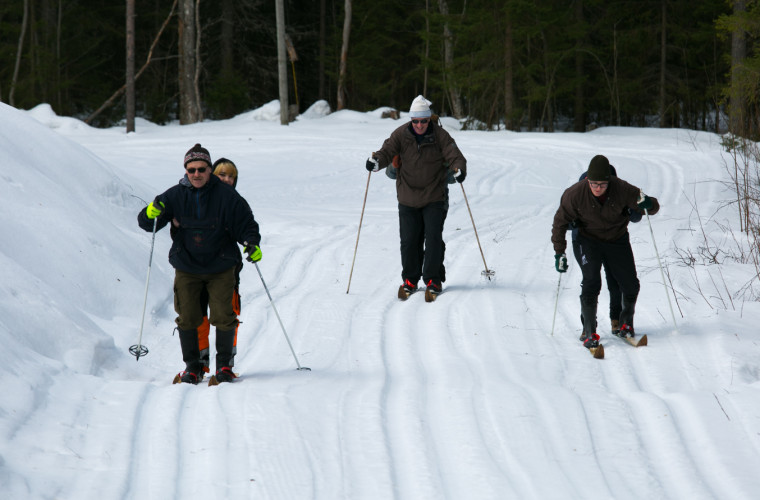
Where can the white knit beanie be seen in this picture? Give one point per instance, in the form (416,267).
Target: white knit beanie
(420,108)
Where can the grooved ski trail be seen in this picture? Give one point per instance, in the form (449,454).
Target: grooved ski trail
(466,397)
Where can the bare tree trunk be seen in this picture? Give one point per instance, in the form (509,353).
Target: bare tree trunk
(123,88)
(738,54)
(188,107)
(427,46)
(58,31)
(130,105)
(342,93)
(663,64)
(547,115)
(197,75)
(228,36)
(448,63)
(615,87)
(282,63)
(579,121)
(509,91)
(19,51)
(322,94)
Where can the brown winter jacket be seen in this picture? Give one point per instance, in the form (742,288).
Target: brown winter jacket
(421,179)
(607,222)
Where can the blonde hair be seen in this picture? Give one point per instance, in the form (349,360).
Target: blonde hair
(226,167)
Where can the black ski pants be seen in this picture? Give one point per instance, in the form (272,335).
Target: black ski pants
(618,262)
(422,246)
(616,296)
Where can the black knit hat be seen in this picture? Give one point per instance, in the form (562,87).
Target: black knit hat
(598,169)
(197,153)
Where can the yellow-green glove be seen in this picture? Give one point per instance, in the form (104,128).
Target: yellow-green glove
(254,253)
(154,210)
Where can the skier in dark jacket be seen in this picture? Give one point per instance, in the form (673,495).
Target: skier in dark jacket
(227,172)
(212,218)
(616,296)
(426,153)
(600,204)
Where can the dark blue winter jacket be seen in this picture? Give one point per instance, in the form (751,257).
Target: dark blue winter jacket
(212,221)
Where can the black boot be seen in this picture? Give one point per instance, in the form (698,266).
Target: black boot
(188,340)
(626,317)
(225,349)
(225,355)
(588,317)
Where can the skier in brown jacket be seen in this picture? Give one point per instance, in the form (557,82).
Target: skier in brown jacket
(599,205)
(426,155)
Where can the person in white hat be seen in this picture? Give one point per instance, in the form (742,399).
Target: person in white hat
(425,155)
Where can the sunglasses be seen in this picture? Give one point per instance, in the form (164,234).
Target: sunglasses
(423,121)
(201,170)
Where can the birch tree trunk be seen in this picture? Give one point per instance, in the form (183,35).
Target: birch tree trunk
(197,73)
(130,71)
(322,93)
(188,106)
(282,64)
(342,93)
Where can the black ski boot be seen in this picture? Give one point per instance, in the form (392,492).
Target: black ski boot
(588,317)
(626,318)
(225,357)
(188,340)
(224,374)
(433,290)
(591,340)
(406,289)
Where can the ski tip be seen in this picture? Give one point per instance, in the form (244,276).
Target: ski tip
(642,341)
(598,352)
(402,295)
(213,381)
(177,380)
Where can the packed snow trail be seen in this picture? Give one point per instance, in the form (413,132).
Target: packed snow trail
(466,397)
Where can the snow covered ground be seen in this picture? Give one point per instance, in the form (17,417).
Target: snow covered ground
(469,397)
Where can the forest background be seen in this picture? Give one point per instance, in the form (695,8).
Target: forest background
(518,64)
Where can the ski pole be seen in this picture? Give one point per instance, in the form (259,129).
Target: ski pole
(369,176)
(278,319)
(138,349)
(662,273)
(487,272)
(556,301)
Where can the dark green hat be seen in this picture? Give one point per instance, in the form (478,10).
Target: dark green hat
(598,169)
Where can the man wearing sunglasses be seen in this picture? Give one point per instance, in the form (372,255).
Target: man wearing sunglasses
(426,155)
(600,206)
(211,219)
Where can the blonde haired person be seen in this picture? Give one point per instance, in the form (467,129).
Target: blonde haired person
(227,171)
